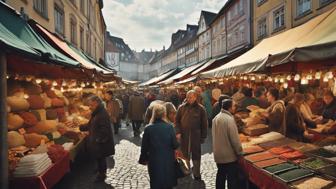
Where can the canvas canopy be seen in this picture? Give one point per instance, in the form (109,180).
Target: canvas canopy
(314,40)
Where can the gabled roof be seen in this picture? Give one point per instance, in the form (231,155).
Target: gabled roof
(208,17)
(122,47)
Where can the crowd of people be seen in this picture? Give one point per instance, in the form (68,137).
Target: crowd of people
(176,124)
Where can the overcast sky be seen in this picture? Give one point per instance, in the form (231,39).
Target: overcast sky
(146,24)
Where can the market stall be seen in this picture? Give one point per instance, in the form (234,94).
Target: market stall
(42,106)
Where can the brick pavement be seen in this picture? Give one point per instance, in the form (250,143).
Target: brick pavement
(125,173)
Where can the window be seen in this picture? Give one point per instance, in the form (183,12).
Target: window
(325,2)
(59,20)
(95,48)
(229,15)
(81,33)
(88,43)
(73,2)
(260,2)
(241,6)
(73,30)
(223,22)
(41,6)
(262,28)
(303,6)
(279,18)
(223,43)
(82,6)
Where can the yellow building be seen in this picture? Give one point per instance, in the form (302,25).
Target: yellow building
(270,17)
(77,21)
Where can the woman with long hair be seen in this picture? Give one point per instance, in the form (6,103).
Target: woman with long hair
(157,150)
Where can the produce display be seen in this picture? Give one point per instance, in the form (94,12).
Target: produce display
(38,116)
(280,167)
(293,175)
(252,149)
(292,155)
(281,150)
(330,171)
(321,152)
(315,163)
(260,156)
(330,148)
(269,162)
(312,183)
(277,143)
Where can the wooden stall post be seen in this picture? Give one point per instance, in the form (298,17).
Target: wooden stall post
(3,123)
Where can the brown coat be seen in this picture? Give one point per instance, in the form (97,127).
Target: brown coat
(113,108)
(100,140)
(295,122)
(276,118)
(136,108)
(192,124)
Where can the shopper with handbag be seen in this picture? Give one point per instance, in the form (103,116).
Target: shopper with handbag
(157,150)
(226,146)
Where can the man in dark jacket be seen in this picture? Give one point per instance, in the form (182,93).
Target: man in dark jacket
(100,140)
(329,111)
(191,126)
(136,112)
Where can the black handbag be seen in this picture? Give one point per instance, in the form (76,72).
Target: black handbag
(182,168)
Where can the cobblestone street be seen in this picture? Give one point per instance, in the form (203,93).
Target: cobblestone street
(125,172)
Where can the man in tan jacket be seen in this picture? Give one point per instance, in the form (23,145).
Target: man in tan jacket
(226,146)
(113,108)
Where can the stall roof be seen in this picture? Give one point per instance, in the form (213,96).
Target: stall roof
(62,45)
(206,65)
(181,74)
(17,34)
(11,41)
(190,79)
(160,78)
(317,37)
(88,59)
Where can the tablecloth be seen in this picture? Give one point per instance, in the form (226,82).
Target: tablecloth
(47,179)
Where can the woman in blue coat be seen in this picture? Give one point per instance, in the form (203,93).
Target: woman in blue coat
(157,150)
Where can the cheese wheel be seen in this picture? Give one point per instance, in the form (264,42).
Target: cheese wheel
(33,140)
(36,102)
(15,139)
(14,121)
(43,127)
(29,118)
(17,103)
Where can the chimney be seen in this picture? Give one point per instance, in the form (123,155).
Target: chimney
(164,48)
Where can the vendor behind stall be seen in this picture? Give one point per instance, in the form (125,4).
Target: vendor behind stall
(296,127)
(275,114)
(310,119)
(247,100)
(329,111)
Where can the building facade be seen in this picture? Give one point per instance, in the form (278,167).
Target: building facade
(204,35)
(120,57)
(219,35)
(238,25)
(79,22)
(272,17)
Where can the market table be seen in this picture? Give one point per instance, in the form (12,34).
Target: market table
(259,177)
(47,179)
(76,149)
